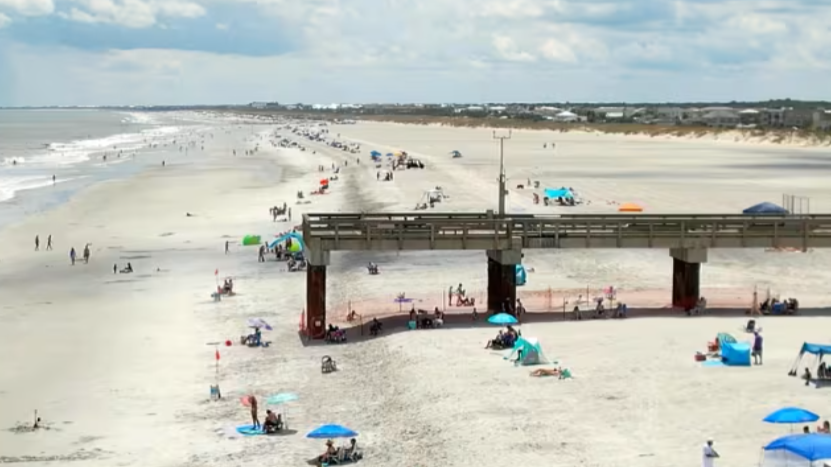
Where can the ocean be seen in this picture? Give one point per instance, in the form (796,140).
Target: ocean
(72,145)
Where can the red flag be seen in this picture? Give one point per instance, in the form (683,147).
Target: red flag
(216,272)
(217,355)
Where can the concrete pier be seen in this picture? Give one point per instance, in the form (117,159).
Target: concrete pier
(316,293)
(502,278)
(686,276)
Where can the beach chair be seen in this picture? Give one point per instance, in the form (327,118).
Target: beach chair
(327,365)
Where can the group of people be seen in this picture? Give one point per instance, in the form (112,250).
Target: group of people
(333,454)
(421,319)
(461,297)
(825,428)
(504,339)
(273,421)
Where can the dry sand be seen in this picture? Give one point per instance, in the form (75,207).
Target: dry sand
(119,366)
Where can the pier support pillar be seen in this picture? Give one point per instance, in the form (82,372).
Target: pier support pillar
(686,276)
(316,293)
(502,278)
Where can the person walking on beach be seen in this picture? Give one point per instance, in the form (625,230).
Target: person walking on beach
(86,253)
(255,420)
(709,455)
(227,245)
(49,243)
(261,257)
(37,242)
(757,348)
(72,255)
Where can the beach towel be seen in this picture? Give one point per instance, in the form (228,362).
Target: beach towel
(712,363)
(249,430)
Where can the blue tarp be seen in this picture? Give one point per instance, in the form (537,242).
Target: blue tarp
(815,349)
(291,235)
(551,193)
(766,209)
(791,415)
(375,154)
(811,446)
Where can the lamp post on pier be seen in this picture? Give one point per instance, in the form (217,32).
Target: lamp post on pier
(503,192)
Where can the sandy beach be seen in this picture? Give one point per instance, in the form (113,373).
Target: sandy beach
(119,365)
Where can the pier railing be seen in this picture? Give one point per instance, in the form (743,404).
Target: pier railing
(483,231)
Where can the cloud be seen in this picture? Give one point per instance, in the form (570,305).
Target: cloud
(468,50)
(4,20)
(28,7)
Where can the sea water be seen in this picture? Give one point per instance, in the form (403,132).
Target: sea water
(77,148)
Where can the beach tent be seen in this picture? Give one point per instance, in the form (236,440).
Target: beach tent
(766,209)
(630,207)
(521,275)
(455,154)
(251,240)
(531,351)
(296,244)
(551,193)
(819,350)
(809,450)
(733,353)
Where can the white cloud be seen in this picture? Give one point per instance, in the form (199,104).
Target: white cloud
(4,20)
(133,13)
(29,7)
(415,49)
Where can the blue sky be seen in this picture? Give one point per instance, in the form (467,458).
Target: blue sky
(100,52)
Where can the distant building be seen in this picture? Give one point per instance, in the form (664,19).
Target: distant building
(720,117)
(258,105)
(822,120)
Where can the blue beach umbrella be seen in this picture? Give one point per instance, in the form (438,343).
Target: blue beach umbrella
(791,415)
(331,431)
(502,319)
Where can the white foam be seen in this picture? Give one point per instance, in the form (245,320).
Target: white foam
(9,186)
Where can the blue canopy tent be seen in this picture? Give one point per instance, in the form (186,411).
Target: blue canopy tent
(733,353)
(819,351)
(297,239)
(521,275)
(809,449)
(766,209)
(563,192)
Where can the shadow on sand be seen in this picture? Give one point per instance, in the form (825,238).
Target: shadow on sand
(393,324)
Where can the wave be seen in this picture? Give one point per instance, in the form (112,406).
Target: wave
(75,152)
(9,186)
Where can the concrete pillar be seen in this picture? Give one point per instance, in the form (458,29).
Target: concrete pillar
(502,278)
(316,293)
(686,276)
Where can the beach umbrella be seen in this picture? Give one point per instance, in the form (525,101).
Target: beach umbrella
(791,415)
(502,319)
(808,446)
(401,300)
(281,398)
(331,431)
(258,323)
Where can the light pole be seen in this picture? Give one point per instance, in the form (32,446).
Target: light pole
(502,191)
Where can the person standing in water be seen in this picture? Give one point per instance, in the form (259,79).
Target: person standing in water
(37,242)
(72,255)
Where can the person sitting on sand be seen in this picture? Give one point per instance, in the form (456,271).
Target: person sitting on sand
(273,422)
(539,372)
(495,342)
(331,452)
(128,269)
(825,428)
(352,452)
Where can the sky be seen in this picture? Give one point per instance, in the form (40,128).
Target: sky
(174,52)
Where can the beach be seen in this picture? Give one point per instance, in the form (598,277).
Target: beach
(119,366)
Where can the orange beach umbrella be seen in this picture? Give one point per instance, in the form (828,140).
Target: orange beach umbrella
(630,207)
